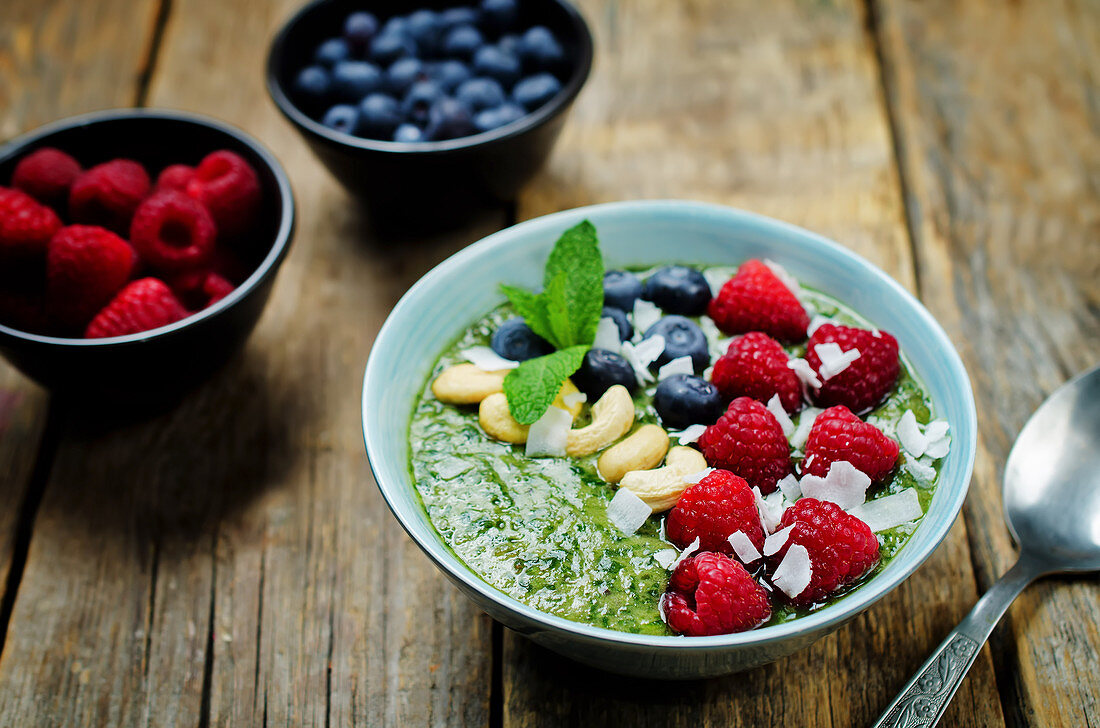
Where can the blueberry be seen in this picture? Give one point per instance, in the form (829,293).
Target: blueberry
(534,91)
(312,84)
(388,47)
(341,118)
(379,115)
(397,24)
(359,28)
(491,61)
(626,329)
(538,48)
(499,14)
(352,80)
(409,134)
(403,74)
(480,93)
(516,341)
(621,289)
(678,289)
(332,51)
(454,17)
(418,101)
(462,41)
(682,338)
(449,118)
(450,74)
(509,43)
(490,119)
(424,28)
(600,370)
(683,400)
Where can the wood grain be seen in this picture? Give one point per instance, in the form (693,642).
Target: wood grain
(775,107)
(995,107)
(57,58)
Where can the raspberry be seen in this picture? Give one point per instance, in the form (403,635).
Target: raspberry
(712,594)
(868,379)
(144,304)
(201,288)
(838,434)
(756,300)
(755,365)
(173,232)
(46,175)
(175,177)
(712,510)
(107,194)
(85,267)
(216,288)
(26,225)
(842,548)
(749,441)
(23,310)
(229,188)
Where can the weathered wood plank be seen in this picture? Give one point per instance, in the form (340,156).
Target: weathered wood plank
(774,107)
(997,120)
(45,74)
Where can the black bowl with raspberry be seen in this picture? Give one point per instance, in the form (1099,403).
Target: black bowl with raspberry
(137,250)
(430,111)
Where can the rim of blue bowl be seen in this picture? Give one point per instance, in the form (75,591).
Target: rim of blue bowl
(266,267)
(831,616)
(578,77)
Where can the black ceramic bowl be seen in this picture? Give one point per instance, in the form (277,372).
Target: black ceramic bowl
(429,181)
(160,363)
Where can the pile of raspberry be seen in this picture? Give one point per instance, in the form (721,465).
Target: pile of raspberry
(105,251)
(746,557)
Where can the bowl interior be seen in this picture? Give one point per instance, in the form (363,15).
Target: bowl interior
(464,287)
(158,139)
(294,47)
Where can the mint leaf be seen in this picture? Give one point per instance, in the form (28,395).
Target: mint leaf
(557,314)
(575,307)
(532,386)
(532,307)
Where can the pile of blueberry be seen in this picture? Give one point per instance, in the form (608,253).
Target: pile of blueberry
(431,75)
(680,292)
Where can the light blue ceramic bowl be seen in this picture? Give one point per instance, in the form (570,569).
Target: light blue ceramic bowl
(463,288)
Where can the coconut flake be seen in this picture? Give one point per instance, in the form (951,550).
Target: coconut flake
(627,511)
(574,398)
(936,430)
(805,424)
(921,471)
(805,373)
(641,355)
(486,359)
(696,477)
(939,448)
(743,547)
(816,323)
(646,313)
(792,576)
(679,365)
(784,277)
(910,436)
(607,335)
(692,548)
(769,518)
(665,557)
(833,359)
(781,416)
(549,433)
(889,511)
(689,434)
(777,540)
(789,487)
(843,485)
(716,278)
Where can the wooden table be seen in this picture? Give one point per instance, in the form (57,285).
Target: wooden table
(231,563)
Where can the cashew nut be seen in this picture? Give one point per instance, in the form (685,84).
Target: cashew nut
(466,384)
(497,421)
(661,488)
(612,417)
(644,449)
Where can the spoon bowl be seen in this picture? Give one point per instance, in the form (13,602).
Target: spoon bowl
(1052,479)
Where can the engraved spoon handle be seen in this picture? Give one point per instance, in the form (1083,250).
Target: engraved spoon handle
(924,699)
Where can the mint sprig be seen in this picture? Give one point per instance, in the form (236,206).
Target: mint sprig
(565,313)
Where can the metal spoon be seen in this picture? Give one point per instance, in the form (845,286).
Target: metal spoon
(1052,508)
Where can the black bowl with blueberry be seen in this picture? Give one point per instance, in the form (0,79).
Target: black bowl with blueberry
(430,110)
